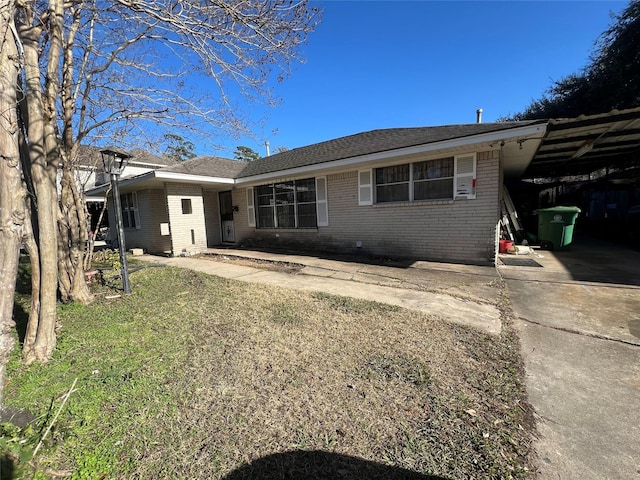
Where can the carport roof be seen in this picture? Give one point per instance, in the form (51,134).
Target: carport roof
(581,145)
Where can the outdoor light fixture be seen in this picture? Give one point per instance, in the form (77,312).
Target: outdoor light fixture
(115,160)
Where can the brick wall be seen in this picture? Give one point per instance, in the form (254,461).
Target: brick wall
(188,231)
(152,211)
(457,231)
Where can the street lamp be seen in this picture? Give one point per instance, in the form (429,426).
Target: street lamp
(115,160)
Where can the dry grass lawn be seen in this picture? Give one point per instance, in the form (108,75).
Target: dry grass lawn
(221,379)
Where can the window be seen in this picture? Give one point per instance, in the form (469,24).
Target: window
(129,207)
(266,204)
(286,204)
(433,179)
(306,203)
(440,179)
(392,183)
(186,206)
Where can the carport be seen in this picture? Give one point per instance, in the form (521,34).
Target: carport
(578,311)
(592,162)
(586,144)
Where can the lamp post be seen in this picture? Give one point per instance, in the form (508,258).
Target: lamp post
(115,160)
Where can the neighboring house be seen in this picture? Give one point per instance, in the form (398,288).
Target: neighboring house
(89,172)
(90,169)
(431,193)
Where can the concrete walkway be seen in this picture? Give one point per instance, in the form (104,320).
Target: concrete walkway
(460,294)
(578,315)
(579,323)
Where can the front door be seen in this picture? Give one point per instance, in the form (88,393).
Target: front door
(226,216)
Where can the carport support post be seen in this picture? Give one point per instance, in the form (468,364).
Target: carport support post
(126,286)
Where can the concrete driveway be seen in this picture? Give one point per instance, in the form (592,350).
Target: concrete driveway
(579,321)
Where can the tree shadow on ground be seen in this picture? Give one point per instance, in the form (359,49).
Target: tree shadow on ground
(319,465)
(23,288)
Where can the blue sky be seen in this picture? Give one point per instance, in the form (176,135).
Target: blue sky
(384,64)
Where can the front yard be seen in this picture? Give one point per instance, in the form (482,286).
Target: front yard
(197,377)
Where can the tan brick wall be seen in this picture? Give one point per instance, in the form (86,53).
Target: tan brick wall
(152,211)
(457,231)
(188,231)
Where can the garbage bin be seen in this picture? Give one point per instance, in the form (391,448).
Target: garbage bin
(555,227)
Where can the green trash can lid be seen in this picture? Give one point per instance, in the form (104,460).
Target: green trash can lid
(559,210)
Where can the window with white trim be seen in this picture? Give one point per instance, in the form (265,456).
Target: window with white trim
(433,179)
(289,204)
(129,207)
(440,179)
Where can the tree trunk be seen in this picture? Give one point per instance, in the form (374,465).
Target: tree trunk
(34,312)
(73,236)
(11,191)
(42,154)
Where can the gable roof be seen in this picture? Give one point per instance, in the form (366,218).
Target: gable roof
(374,141)
(223,172)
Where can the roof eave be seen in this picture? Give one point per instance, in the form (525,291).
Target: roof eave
(191,178)
(167,176)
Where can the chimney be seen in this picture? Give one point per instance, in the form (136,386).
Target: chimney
(266,144)
(479,115)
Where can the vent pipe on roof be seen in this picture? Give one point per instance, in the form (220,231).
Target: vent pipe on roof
(266,144)
(479,115)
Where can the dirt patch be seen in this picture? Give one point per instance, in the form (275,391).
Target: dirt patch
(271,265)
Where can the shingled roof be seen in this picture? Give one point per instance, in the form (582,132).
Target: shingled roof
(374,141)
(89,156)
(209,166)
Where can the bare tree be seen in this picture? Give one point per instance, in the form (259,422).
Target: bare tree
(95,70)
(11,191)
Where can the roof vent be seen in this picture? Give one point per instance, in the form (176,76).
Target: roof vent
(479,115)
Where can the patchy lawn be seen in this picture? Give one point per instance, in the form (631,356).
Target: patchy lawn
(193,376)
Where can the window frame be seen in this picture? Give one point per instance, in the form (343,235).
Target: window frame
(393,171)
(433,179)
(129,210)
(462,183)
(187,207)
(284,201)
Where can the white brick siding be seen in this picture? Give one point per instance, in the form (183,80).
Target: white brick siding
(188,231)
